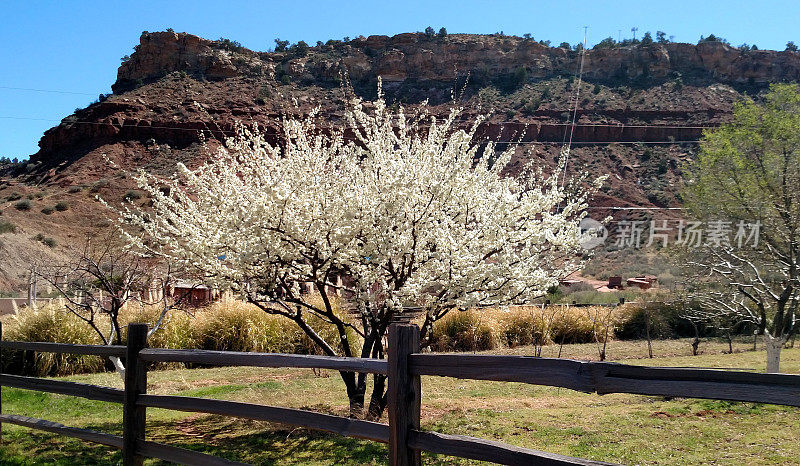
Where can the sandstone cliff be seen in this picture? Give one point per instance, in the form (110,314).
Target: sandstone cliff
(175,84)
(415,56)
(640,110)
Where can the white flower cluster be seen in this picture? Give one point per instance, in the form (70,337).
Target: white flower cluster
(409,209)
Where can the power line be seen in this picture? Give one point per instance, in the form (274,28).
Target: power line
(694,141)
(585,125)
(223,131)
(634,208)
(122,125)
(52,91)
(605,125)
(575,109)
(232,132)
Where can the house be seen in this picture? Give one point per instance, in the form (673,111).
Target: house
(644,282)
(194,294)
(614,283)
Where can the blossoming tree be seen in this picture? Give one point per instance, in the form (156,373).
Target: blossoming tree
(410,210)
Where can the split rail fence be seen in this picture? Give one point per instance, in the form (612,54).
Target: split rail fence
(404,366)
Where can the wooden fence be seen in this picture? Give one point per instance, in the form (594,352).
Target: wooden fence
(404,367)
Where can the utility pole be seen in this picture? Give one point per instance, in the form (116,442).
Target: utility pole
(32,288)
(633,30)
(619,35)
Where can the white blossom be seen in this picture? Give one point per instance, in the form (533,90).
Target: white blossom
(409,207)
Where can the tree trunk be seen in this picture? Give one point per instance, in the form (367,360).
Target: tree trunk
(696,341)
(355,393)
(356,403)
(774,346)
(377,402)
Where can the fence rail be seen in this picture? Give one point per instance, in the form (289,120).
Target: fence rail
(235,358)
(404,367)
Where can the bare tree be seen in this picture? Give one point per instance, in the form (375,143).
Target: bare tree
(543,324)
(602,318)
(744,183)
(741,287)
(102,278)
(725,320)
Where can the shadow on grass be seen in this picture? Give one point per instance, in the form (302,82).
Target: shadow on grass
(245,441)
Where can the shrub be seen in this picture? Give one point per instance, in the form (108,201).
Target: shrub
(523,328)
(49,242)
(300,49)
(132,195)
(712,38)
(281,45)
(7,227)
(176,331)
(14,196)
(74,189)
(23,205)
(462,331)
(50,324)
(572,326)
(61,206)
(264,94)
(488,95)
(531,106)
(98,185)
(665,321)
(230,45)
(48,210)
(241,327)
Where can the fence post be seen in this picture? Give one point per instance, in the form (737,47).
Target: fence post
(133,416)
(404,394)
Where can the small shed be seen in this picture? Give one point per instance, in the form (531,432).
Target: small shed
(193,294)
(614,283)
(645,282)
(569,282)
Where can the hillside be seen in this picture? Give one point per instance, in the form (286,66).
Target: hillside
(176,85)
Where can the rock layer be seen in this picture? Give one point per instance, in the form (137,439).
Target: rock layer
(415,56)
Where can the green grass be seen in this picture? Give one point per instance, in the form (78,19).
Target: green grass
(620,428)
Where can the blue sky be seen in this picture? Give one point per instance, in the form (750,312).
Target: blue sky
(76,46)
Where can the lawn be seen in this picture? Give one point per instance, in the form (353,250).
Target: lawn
(629,429)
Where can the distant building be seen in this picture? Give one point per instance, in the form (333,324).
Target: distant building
(645,282)
(193,294)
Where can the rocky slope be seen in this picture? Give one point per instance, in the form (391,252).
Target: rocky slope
(176,86)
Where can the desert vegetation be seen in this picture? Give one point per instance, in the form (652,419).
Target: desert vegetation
(237,326)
